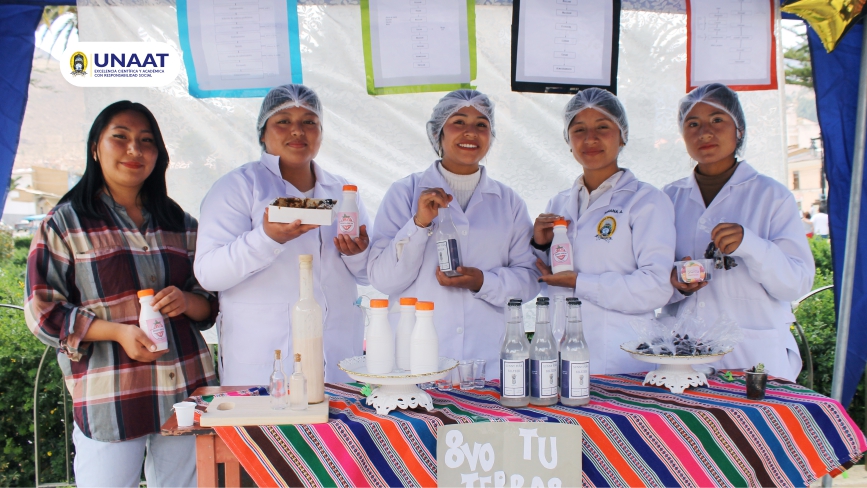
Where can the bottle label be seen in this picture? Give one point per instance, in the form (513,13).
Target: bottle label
(575,379)
(156,329)
(447,252)
(543,378)
(347,223)
(561,254)
(514,378)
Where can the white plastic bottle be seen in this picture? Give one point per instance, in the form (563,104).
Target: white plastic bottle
(152,322)
(380,340)
(574,359)
(561,249)
(403,334)
(347,214)
(424,345)
(298,387)
(307,332)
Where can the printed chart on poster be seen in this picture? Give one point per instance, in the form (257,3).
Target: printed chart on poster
(562,46)
(418,45)
(239,48)
(731,42)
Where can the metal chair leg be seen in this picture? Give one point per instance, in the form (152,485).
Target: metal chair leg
(35,415)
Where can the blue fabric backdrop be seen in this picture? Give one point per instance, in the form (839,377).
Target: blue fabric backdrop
(835,78)
(17,41)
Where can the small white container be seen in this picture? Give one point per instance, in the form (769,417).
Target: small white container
(561,249)
(347,215)
(184,412)
(424,345)
(694,270)
(152,322)
(380,340)
(403,335)
(310,216)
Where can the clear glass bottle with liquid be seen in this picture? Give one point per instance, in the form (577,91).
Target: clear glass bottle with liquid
(277,384)
(543,358)
(574,359)
(448,244)
(558,319)
(515,360)
(298,387)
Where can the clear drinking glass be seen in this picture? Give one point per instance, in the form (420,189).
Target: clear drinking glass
(479,373)
(465,368)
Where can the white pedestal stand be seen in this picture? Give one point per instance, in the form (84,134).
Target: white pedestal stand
(673,372)
(396,389)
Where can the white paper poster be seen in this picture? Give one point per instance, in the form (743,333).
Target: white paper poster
(565,42)
(732,42)
(239,48)
(419,42)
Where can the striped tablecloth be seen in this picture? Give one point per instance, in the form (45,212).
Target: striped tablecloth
(634,435)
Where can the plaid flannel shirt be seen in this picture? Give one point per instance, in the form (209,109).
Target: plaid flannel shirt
(81,269)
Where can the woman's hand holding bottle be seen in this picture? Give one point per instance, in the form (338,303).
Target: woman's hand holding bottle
(543,228)
(564,279)
(349,246)
(429,202)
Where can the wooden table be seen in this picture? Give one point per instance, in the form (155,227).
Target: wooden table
(210,449)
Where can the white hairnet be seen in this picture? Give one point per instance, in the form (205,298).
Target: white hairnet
(287,96)
(451,103)
(719,96)
(601,100)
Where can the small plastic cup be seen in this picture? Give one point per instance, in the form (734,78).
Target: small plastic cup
(465,368)
(445,384)
(479,373)
(184,412)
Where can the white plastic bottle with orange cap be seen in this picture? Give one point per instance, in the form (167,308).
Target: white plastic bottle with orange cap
(561,249)
(151,321)
(403,335)
(424,345)
(347,214)
(380,340)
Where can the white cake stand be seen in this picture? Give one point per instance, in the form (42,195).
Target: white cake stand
(396,389)
(673,372)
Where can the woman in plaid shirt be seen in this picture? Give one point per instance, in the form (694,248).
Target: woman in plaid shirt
(114,233)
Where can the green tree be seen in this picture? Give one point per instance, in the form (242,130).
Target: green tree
(799,69)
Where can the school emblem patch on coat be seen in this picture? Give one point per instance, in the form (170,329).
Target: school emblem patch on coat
(606,228)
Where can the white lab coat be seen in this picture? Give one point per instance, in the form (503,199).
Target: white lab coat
(622,276)
(494,234)
(775,266)
(258,279)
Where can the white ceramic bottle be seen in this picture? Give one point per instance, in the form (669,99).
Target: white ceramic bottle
(298,387)
(347,213)
(424,345)
(152,322)
(403,334)
(380,340)
(561,249)
(307,332)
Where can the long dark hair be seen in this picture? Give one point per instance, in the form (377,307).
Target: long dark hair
(166,213)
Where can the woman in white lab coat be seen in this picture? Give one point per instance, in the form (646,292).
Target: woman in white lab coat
(253,263)
(751,218)
(621,231)
(493,228)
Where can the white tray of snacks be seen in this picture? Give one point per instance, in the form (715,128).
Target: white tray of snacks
(397,389)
